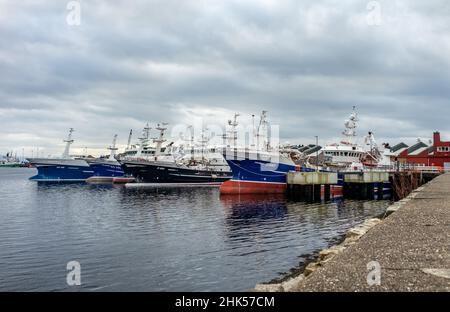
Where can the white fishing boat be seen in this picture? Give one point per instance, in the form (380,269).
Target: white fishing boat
(172,164)
(346,154)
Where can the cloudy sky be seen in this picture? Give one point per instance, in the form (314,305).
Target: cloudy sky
(306,62)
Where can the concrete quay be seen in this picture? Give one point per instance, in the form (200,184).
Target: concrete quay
(408,251)
(412,246)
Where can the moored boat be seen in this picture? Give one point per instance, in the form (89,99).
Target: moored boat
(64,169)
(107,167)
(258,169)
(162,165)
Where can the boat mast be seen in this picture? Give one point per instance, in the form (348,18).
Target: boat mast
(232,137)
(113,148)
(143,141)
(253,131)
(191,142)
(68,142)
(203,142)
(129,139)
(374,151)
(262,128)
(350,126)
(159,141)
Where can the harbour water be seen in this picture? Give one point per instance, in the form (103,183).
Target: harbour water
(157,240)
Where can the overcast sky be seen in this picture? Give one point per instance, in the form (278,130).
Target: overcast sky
(306,62)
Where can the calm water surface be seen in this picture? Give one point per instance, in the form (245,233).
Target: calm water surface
(157,240)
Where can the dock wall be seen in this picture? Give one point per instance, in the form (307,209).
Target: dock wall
(407,251)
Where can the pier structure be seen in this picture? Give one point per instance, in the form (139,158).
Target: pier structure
(365,184)
(407,251)
(361,185)
(309,186)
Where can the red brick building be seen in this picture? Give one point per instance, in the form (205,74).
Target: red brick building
(437,154)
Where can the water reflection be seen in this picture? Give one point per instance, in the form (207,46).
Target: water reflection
(254,207)
(158,239)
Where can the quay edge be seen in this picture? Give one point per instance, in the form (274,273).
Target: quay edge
(411,244)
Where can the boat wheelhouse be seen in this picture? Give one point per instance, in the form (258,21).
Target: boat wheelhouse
(347,153)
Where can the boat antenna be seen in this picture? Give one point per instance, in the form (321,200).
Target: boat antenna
(204,140)
(262,126)
(129,139)
(191,141)
(113,148)
(232,137)
(159,141)
(143,141)
(253,136)
(68,142)
(350,126)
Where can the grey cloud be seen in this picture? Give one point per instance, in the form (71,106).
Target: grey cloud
(306,62)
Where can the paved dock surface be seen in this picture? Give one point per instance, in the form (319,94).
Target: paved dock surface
(412,247)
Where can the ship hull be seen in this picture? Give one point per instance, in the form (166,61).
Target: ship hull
(250,187)
(61,170)
(105,168)
(265,177)
(258,174)
(155,172)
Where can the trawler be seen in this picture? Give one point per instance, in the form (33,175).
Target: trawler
(165,165)
(261,167)
(10,161)
(63,169)
(349,156)
(107,167)
(346,154)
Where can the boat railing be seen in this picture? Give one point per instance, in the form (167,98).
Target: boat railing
(404,168)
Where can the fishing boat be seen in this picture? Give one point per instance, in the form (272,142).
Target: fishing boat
(349,156)
(346,154)
(63,169)
(10,162)
(263,169)
(163,165)
(259,168)
(107,167)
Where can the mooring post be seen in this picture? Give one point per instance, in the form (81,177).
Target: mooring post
(317,192)
(370,191)
(308,193)
(327,193)
(301,192)
(380,191)
(297,192)
(362,191)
